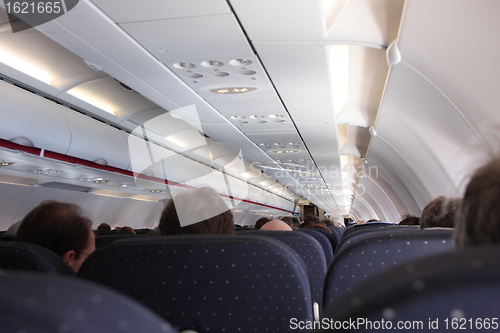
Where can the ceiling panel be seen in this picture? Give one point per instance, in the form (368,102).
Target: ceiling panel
(259,18)
(309,98)
(191,39)
(363,209)
(320,138)
(133,11)
(370,188)
(368,22)
(456,50)
(426,129)
(401,176)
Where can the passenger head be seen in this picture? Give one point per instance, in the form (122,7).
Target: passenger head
(319,226)
(276,225)
(308,220)
(260,222)
(127,229)
(478,218)
(328,222)
(103,226)
(409,220)
(60,227)
(311,219)
(196,211)
(440,212)
(287,220)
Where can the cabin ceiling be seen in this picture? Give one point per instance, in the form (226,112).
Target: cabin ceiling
(309,91)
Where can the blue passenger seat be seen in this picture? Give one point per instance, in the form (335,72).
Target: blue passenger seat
(371,254)
(309,249)
(6,238)
(445,292)
(209,283)
(32,257)
(103,239)
(39,303)
(353,234)
(323,240)
(337,232)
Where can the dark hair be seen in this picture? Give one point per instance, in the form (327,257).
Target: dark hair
(127,229)
(58,226)
(260,222)
(328,222)
(409,220)
(478,217)
(103,226)
(440,212)
(318,226)
(201,211)
(287,220)
(311,219)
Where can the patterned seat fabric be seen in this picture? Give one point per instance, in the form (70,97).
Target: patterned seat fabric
(372,253)
(362,230)
(103,239)
(449,291)
(208,283)
(309,249)
(33,257)
(41,303)
(323,240)
(337,232)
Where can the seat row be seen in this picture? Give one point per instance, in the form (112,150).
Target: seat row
(454,289)
(248,267)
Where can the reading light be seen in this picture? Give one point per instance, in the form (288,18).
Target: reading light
(285,151)
(212,63)
(232,90)
(46,171)
(240,62)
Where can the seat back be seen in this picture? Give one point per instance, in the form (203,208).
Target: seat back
(41,303)
(361,230)
(103,239)
(372,253)
(208,283)
(309,249)
(323,240)
(6,238)
(33,257)
(443,292)
(337,232)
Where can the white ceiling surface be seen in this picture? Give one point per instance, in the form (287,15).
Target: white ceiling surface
(440,96)
(427,110)
(294,48)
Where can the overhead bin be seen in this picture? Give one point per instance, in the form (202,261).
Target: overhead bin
(29,119)
(95,141)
